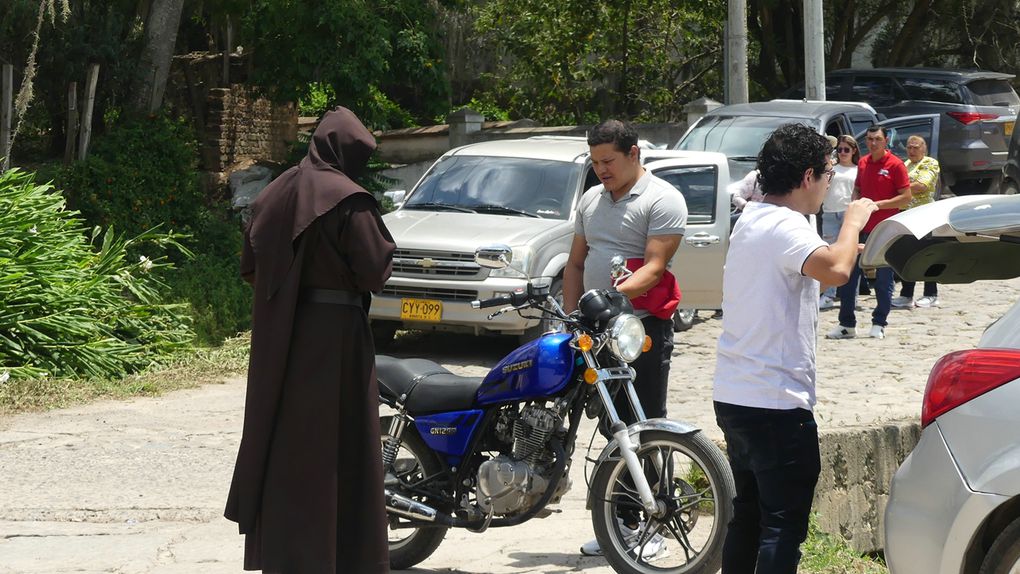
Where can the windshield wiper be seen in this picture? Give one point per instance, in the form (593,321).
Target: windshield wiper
(440,206)
(503,209)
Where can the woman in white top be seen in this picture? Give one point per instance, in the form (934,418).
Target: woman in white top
(841,190)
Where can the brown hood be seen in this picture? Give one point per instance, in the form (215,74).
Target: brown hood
(338,153)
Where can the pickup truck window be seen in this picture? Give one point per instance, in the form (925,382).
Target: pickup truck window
(499,185)
(698,186)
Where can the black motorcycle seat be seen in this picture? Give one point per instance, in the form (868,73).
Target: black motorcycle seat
(429,386)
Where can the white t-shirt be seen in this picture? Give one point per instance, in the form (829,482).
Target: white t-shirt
(841,189)
(766,353)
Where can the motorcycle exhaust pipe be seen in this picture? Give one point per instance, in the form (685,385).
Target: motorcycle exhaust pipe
(408,508)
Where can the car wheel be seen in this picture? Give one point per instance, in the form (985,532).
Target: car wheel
(545,325)
(383,333)
(1004,555)
(683,319)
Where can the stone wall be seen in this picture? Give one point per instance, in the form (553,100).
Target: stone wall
(235,126)
(858,465)
(240,126)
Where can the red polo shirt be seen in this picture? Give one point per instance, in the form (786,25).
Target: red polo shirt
(879,180)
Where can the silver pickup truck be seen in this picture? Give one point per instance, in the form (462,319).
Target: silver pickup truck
(524,193)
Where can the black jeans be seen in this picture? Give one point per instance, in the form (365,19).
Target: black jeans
(652,376)
(931,289)
(775,462)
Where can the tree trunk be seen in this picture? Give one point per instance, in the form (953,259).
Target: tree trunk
(160,39)
(909,37)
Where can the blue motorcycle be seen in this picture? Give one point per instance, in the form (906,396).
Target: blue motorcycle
(495,451)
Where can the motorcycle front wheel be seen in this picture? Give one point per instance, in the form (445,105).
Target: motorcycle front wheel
(414,462)
(691,478)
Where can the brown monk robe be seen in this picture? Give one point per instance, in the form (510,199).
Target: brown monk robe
(307,489)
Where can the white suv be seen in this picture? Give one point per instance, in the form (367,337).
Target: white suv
(523,193)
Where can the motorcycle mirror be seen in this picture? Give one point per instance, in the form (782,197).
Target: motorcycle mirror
(496,256)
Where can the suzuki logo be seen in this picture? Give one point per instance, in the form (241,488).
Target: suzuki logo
(427,262)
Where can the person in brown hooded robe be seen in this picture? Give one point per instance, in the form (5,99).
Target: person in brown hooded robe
(307,490)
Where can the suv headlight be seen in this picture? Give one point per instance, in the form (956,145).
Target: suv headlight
(521,260)
(626,337)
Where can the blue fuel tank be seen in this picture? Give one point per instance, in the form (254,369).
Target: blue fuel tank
(536,369)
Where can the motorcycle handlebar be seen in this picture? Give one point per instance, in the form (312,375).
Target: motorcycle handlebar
(493,302)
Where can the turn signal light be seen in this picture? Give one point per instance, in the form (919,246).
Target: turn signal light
(647,345)
(590,376)
(585,343)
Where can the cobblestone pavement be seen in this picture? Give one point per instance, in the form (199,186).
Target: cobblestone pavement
(137,486)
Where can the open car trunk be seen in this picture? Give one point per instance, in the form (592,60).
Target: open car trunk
(955,240)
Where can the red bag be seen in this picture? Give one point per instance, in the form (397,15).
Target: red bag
(662,299)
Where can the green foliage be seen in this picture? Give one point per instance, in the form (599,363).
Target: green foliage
(486,106)
(567,61)
(220,302)
(74,304)
(828,554)
(379,58)
(316,100)
(143,174)
(139,175)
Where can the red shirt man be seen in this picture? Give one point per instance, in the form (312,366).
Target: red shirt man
(882,178)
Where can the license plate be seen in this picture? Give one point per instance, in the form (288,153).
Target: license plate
(421,310)
(1007,128)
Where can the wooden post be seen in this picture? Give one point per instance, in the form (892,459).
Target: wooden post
(91,76)
(229,39)
(6,113)
(72,122)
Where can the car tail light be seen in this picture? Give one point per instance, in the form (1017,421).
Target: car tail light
(965,375)
(967,118)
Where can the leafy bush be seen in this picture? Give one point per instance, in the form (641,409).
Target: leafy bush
(210,282)
(141,174)
(75,304)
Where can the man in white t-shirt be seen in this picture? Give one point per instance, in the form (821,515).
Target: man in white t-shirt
(764,387)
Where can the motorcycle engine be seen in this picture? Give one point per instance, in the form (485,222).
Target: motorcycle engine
(507,484)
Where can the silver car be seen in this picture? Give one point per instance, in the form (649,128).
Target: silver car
(523,193)
(954,505)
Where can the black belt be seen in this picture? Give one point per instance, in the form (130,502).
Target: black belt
(331,297)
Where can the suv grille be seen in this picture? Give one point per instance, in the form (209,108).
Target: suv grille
(431,293)
(415,263)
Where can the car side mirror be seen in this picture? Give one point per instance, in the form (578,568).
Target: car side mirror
(496,256)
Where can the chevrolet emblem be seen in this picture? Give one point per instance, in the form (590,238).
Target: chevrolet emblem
(427,262)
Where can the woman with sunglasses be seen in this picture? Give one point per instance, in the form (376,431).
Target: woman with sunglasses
(837,198)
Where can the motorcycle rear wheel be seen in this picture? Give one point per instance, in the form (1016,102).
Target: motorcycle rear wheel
(696,485)
(415,461)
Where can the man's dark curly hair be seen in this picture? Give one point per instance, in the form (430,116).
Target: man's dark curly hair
(787,154)
(619,133)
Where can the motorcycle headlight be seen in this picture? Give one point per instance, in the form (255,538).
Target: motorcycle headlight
(521,260)
(626,337)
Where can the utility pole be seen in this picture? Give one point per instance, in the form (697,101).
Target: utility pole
(814,51)
(736,52)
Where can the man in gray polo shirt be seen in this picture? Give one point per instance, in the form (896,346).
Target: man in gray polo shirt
(637,215)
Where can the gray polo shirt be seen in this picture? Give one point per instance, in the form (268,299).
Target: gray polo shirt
(653,207)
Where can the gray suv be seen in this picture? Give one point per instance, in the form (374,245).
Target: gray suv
(739,130)
(978,110)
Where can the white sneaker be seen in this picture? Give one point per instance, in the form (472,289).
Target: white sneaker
(653,549)
(826,302)
(927,301)
(841,332)
(877,332)
(902,302)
